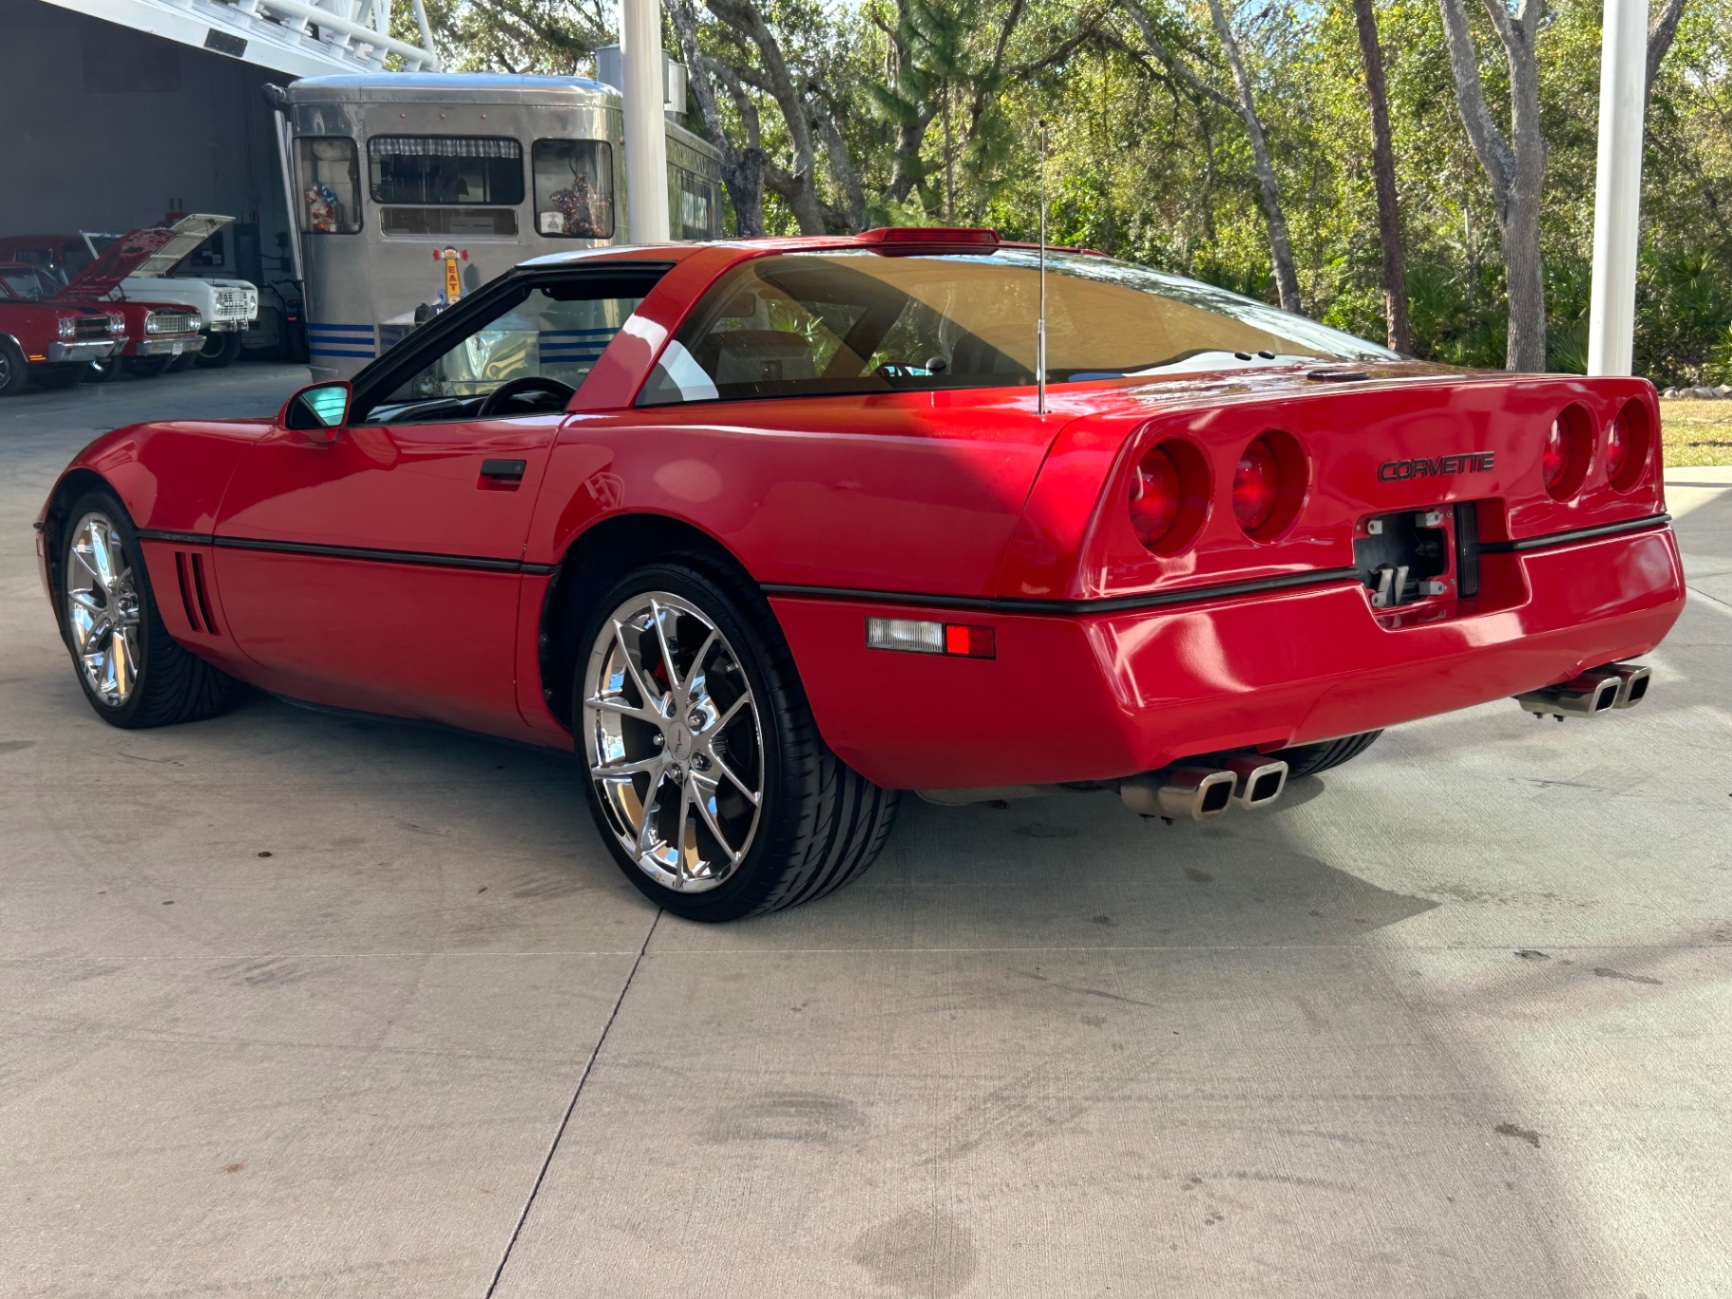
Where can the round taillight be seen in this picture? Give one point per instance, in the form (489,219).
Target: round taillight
(1256,485)
(1156,495)
(1617,450)
(1569,450)
(1629,442)
(1556,458)
(1170,496)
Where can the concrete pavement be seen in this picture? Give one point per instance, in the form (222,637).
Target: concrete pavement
(297,1005)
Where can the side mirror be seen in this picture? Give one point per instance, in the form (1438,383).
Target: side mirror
(318,411)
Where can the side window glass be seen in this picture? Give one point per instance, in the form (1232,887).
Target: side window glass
(573,188)
(756,339)
(541,336)
(330,185)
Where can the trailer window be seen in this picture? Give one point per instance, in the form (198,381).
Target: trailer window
(694,205)
(330,185)
(573,188)
(448,170)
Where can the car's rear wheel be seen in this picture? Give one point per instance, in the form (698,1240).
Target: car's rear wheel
(132,671)
(220,348)
(13,372)
(707,776)
(1309,759)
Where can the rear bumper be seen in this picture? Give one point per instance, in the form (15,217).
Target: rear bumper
(1101,696)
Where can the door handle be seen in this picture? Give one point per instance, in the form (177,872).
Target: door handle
(504,471)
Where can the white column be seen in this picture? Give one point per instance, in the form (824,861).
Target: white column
(646,143)
(1618,186)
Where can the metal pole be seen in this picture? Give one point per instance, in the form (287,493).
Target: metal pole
(646,141)
(1040,326)
(1618,186)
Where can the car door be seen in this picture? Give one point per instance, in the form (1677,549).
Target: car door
(377,566)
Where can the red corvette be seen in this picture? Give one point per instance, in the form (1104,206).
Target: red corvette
(776,529)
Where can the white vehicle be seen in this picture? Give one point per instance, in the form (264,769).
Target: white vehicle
(227,307)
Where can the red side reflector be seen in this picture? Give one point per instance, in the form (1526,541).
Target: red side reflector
(970,642)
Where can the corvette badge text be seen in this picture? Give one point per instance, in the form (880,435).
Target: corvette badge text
(1471,462)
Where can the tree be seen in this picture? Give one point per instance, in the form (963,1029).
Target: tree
(1245,105)
(1383,176)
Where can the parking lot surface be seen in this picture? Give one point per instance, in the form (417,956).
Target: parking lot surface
(294,1004)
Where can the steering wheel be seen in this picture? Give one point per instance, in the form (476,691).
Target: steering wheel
(514,388)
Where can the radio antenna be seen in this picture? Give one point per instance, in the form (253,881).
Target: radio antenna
(1040,323)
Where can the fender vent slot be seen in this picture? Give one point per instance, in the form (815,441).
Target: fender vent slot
(203,596)
(183,574)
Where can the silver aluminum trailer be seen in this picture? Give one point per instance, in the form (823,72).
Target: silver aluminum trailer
(409,189)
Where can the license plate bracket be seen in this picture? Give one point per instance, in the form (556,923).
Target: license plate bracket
(1405,556)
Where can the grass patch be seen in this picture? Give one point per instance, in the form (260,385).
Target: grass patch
(1697,432)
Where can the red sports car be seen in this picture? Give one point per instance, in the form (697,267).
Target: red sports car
(772,530)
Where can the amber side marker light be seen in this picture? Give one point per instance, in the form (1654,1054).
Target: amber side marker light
(959,640)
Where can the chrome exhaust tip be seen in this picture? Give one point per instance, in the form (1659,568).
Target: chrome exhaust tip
(1258,781)
(1182,793)
(1632,682)
(1584,696)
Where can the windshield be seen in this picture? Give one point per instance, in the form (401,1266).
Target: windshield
(28,282)
(860,322)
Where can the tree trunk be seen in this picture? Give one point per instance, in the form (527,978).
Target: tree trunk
(1515,168)
(742,168)
(1280,246)
(1383,173)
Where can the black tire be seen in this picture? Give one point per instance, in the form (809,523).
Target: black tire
(219,349)
(70,375)
(13,371)
(820,824)
(182,362)
(106,371)
(172,683)
(1309,759)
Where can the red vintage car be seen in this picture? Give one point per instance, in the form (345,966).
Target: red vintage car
(772,530)
(42,339)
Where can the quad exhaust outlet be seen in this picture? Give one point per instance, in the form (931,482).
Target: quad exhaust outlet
(1202,793)
(1596,691)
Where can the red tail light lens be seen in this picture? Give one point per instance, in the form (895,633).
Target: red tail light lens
(1569,450)
(1629,444)
(1155,497)
(1170,496)
(1617,450)
(1256,485)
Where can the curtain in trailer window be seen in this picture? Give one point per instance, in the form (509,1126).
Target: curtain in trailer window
(447,170)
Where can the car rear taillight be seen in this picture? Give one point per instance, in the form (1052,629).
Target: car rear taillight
(1169,496)
(1256,485)
(1629,442)
(1569,450)
(1155,497)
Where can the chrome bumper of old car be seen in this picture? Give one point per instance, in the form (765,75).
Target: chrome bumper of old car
(175,346)
(83,350)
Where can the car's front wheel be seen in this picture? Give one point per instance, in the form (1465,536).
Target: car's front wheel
(708,778)
(221,347)
(132,671)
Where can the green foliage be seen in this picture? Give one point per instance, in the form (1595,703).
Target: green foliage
(1143,165)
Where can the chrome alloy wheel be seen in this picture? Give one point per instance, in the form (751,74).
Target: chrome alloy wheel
(102,610)
(674,742)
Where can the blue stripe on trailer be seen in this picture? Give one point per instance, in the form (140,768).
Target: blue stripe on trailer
(321,326)
(338,351)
